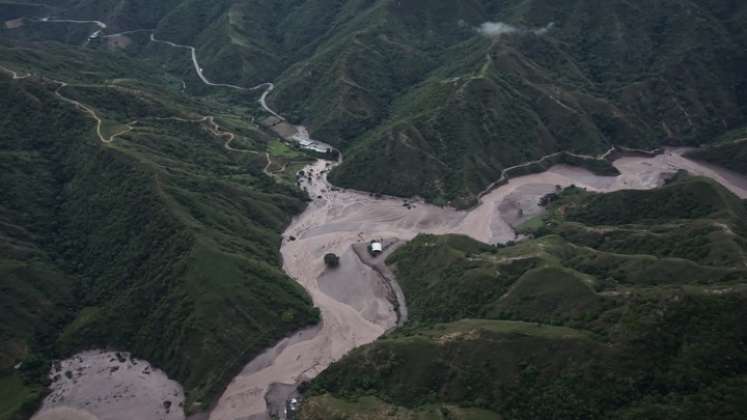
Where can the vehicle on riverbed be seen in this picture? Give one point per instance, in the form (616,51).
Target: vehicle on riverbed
(375,248)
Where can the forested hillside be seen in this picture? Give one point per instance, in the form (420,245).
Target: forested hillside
(730,151)
(612,311)
(447,93)
(163,242)
(571,76)
(141,207)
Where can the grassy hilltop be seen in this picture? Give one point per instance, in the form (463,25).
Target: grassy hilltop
(163,242)
(610,312)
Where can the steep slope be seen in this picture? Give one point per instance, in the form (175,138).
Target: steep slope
(421,102)
(730,151)
(610,312)
(162,241)
(576,77)
(119,14)
(239,42)
(449,93)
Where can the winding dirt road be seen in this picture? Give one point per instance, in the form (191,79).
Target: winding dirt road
(15,75)
(90,111)
(98,23)
(505,174)
(213,127)
(200,73)
(101,25)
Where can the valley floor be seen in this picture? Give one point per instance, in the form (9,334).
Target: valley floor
(358,314)
(111,385)
(355,303)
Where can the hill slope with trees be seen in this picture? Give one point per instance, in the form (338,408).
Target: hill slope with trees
(448,93)
(609,312)
(163,242)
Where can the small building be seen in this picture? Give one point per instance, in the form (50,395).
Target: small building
(375,248)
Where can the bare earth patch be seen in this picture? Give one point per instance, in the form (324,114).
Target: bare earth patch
(119,41)
(14,23)
(105,385)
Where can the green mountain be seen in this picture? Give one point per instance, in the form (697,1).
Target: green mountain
(449,93)
(611,311)
(625,74)
(730,151)
(148,216)
(163,241)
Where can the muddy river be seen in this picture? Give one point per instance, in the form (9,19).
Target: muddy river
(357,304)
(356,301)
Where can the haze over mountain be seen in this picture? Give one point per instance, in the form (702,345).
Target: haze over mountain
(143,205)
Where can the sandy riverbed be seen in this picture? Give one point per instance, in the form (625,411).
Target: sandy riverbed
(355,301)
(353,316)
(101,385)
(354,309)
